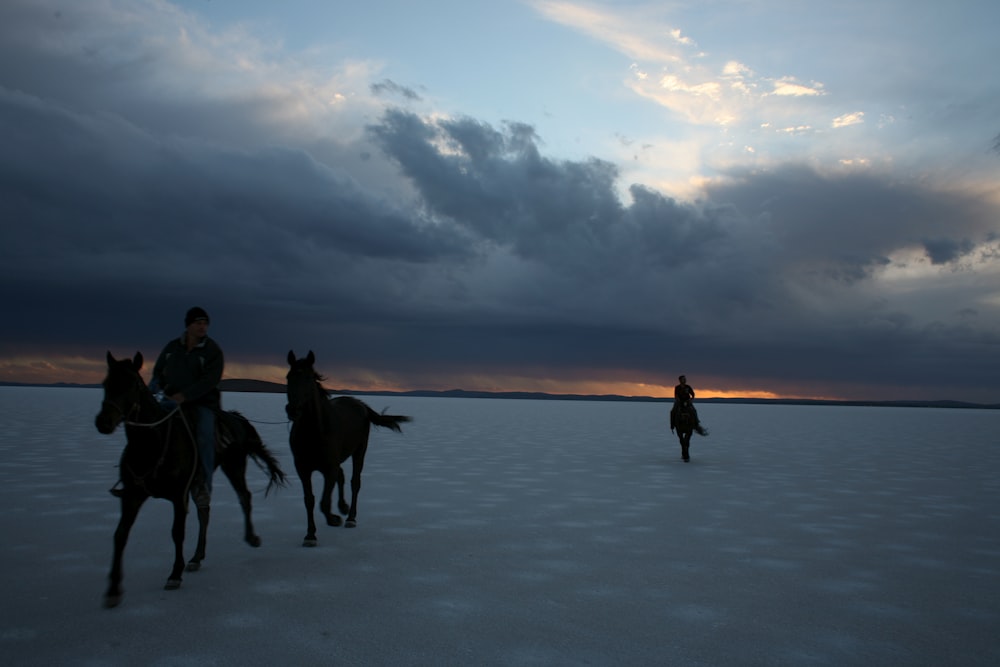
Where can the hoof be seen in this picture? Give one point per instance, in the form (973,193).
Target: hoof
(309,542)
(112,601)
(172,585)
(253,541)
(193,566)
(333,520)
(351,523)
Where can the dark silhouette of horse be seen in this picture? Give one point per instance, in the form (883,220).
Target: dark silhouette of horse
(325,432)
(160,459)
(684,419)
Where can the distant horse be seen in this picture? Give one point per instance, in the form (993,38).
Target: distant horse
(160,460)
(684,419)
(325,432)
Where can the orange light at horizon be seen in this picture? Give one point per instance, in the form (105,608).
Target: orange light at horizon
(715,393)
(85,370)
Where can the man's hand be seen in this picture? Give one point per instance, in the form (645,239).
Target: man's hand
(177,398)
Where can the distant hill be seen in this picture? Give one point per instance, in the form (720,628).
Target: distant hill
(264,387)
(276,388)
(252,386)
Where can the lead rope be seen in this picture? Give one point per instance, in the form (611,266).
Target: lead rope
(197,459)
(156,423)
(166,444)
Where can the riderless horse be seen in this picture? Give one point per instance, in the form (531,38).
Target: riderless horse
(325,433)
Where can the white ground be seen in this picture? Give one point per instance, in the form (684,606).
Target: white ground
(499,532)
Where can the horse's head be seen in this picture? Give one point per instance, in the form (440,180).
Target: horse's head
(123,391)
(302,384)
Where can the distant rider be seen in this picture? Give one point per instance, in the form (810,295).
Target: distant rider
(684,395)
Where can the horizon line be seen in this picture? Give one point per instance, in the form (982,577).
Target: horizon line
(471,393)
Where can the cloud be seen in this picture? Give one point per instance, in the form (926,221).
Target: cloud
(391,87)
(849,119)
(667,69)
(788,87)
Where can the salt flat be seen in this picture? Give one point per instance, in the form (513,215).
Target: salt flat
(505,532)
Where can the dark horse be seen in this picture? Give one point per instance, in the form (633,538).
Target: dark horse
(325,432)
(684,419)
(160,459)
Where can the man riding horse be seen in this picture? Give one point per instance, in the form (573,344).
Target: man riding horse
(683,398)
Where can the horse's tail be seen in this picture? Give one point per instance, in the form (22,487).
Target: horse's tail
(260,454)
(391,422)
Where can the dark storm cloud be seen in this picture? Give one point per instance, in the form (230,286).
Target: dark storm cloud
(450,246)
(769,277)
(392,88)
(943,251)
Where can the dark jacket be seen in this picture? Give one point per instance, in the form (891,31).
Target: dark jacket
(196,374)
(683,392)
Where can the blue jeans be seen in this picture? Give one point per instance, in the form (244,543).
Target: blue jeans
(204,435)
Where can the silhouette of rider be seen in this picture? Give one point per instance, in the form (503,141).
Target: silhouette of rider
(684,396)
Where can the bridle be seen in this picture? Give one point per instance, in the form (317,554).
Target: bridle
(134,409)
(121,411)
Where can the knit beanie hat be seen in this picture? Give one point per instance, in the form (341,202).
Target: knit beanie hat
(194,315)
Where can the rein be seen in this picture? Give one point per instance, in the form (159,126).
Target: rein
(157,423)
(141,479)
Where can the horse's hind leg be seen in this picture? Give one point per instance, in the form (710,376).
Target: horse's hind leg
(237,474)
(130,510)
(204,512)
(332,478)
(341,501)
(357,464)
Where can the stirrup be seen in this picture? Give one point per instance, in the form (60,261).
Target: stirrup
(199,492)
(116,491)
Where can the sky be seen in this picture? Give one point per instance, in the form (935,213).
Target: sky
(774,198)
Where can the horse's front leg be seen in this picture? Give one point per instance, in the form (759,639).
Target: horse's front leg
(236,474)
(332,478)
(130,504)
(305,476)
(177,532)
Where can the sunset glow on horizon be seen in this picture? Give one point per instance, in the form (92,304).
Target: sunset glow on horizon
(84,371)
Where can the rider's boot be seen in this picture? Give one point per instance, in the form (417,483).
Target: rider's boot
(200,492)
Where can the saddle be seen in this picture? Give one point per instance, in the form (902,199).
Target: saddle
(227,430)
(227,427)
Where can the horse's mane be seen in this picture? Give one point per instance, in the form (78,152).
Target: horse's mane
(320,379)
